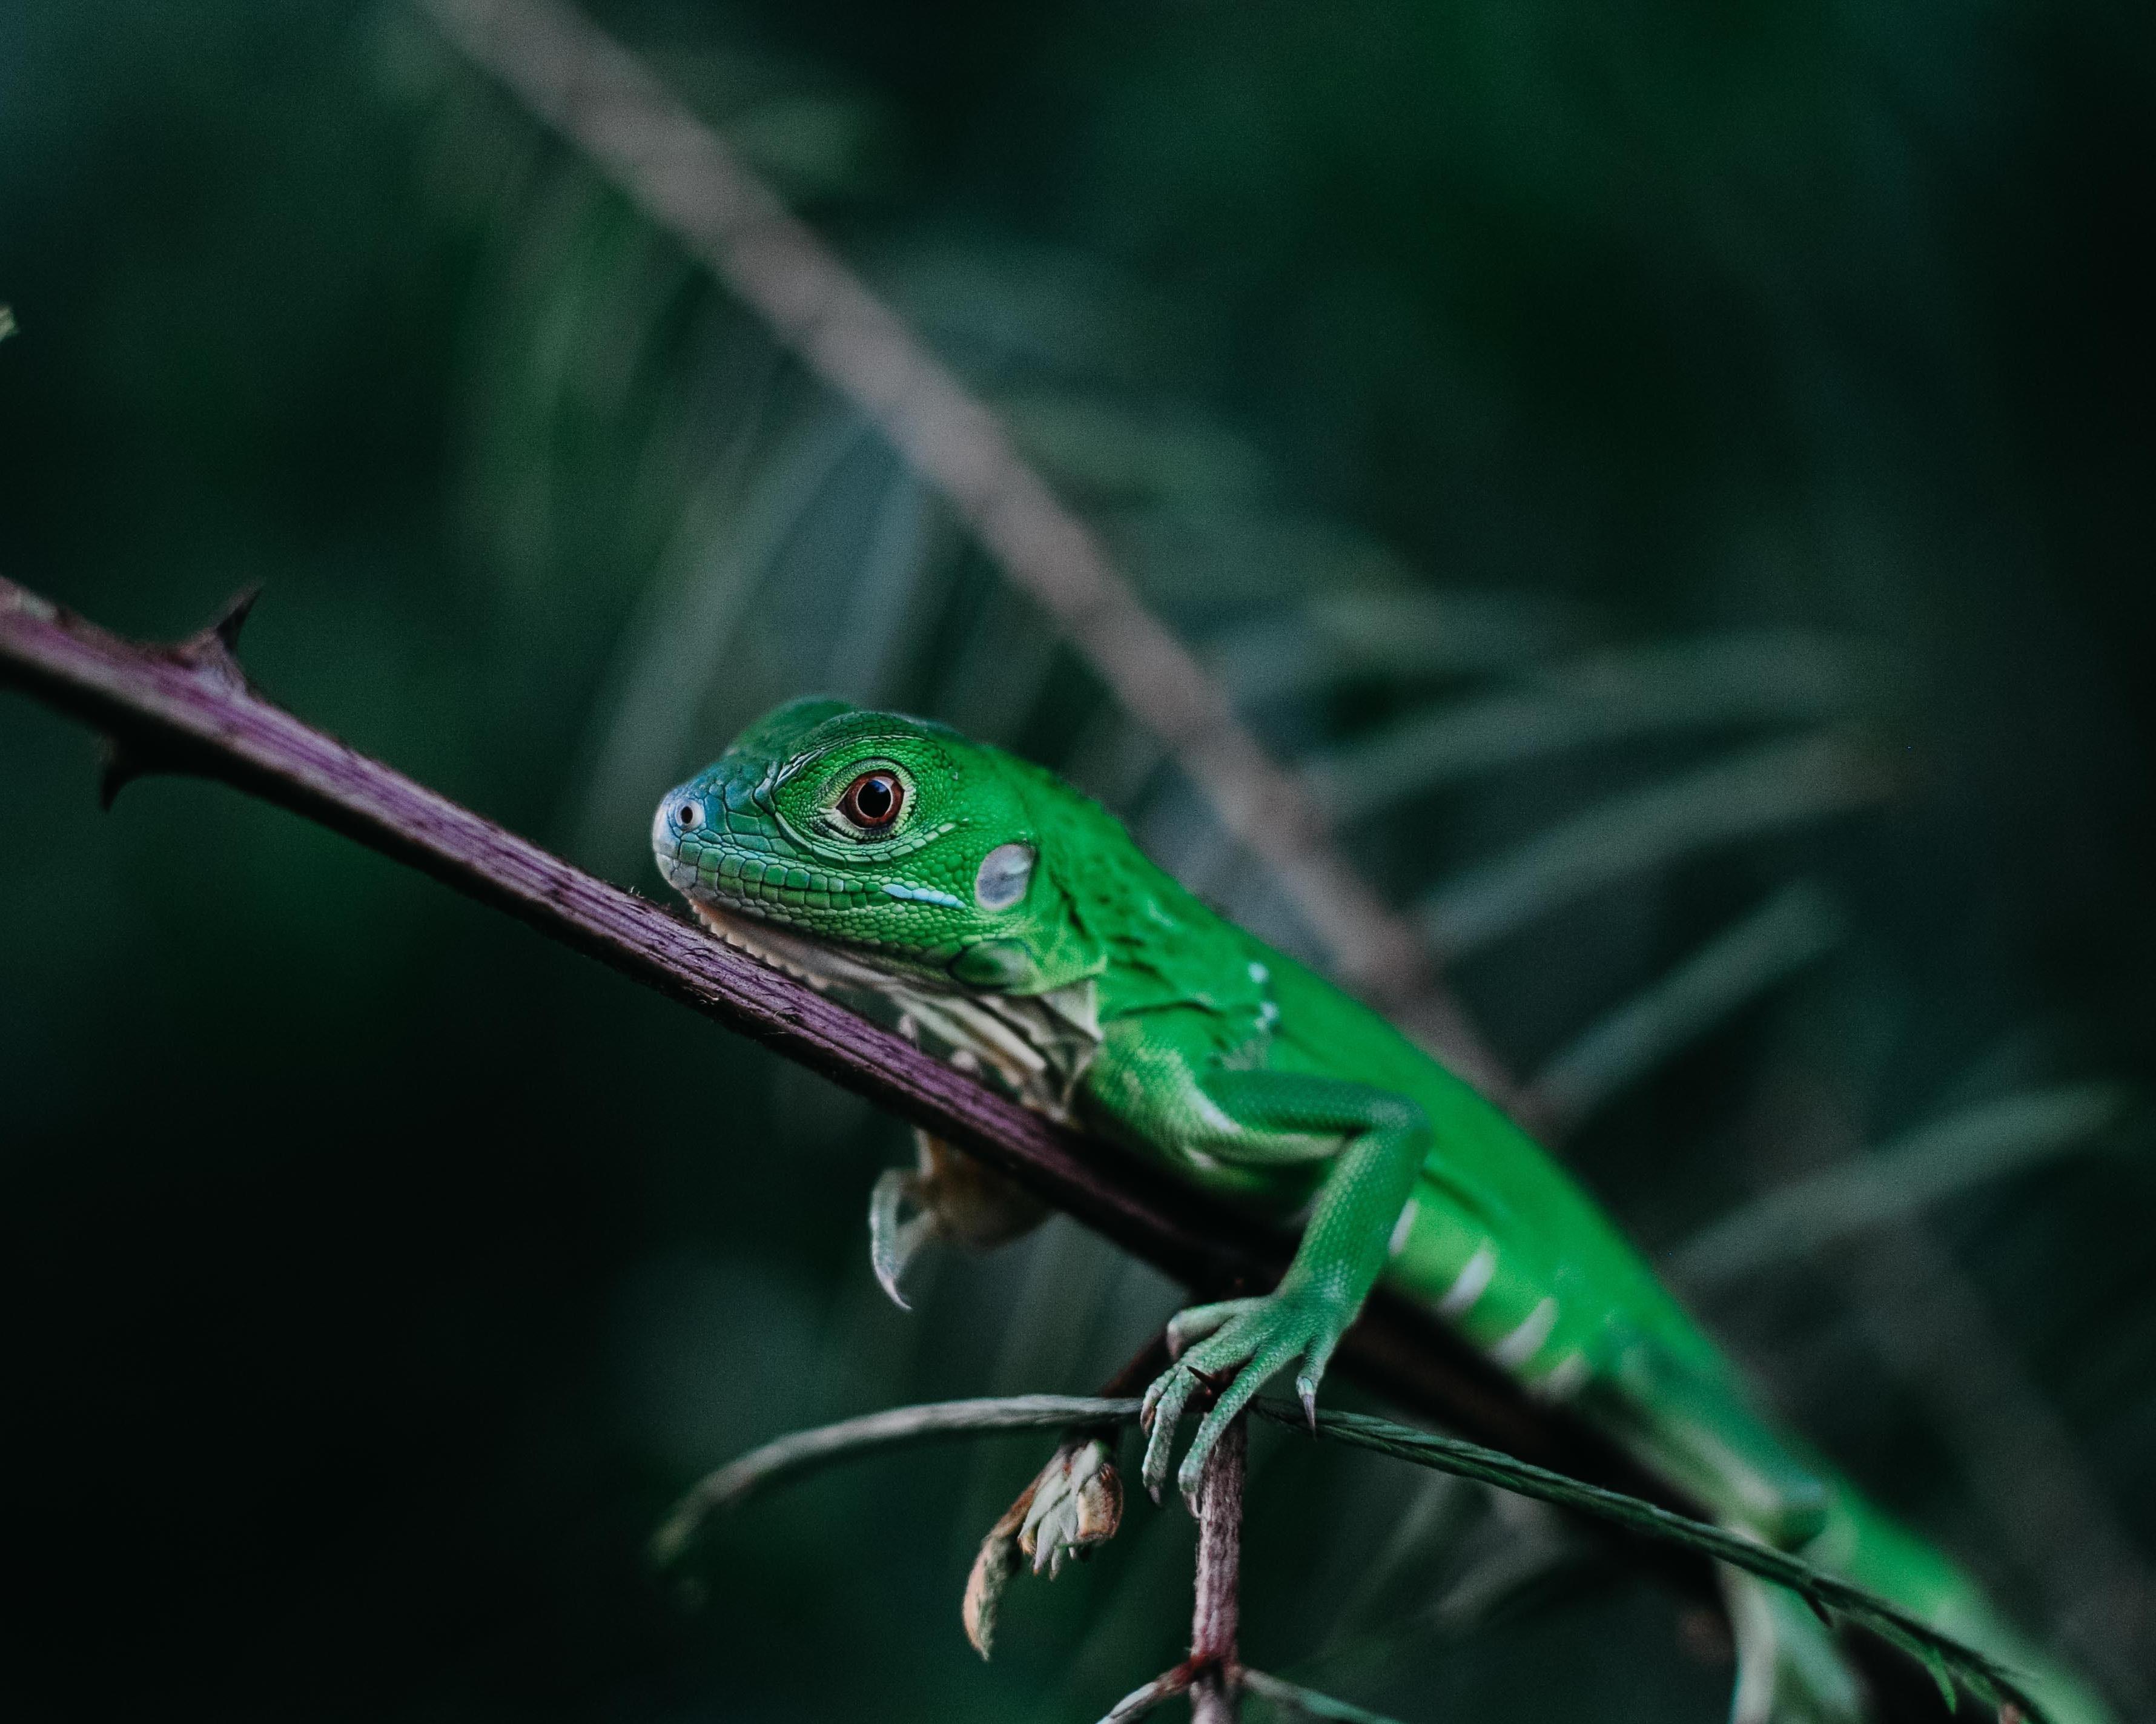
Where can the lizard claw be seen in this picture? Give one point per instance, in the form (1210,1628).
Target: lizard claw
(893,1240)
(953,1198)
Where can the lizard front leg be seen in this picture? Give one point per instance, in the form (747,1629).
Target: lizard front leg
(1376,1140)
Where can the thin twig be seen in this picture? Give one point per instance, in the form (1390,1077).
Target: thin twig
(1308,1702)
(1152,1695)
(1824,1590)
(690,184)
(1923,1316)
(801,1452)
(1216,1608)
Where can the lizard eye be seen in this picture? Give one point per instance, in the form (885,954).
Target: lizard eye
(872,801)
(689,816)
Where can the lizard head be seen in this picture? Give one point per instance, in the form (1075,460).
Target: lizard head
(900,841)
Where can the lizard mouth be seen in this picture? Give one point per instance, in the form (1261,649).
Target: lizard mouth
(822,965)
(755,913)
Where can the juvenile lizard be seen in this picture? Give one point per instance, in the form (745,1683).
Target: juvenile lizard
(1012,923)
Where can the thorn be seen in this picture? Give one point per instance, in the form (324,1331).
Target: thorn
(121,766)
(213,649)
(234,617)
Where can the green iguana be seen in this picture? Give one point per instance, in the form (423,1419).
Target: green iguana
(1011,923)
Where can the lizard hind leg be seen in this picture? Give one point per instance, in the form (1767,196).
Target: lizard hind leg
(953,1198)
(1693,1426)
(1690,1422)
(1788,1669)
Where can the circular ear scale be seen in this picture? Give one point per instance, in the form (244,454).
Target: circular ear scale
(1004,874)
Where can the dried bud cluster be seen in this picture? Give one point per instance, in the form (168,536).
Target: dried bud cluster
(1075,1503)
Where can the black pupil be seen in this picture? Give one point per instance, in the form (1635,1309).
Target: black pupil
(686,814)
(874,800)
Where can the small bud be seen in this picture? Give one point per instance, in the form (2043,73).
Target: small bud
(993,1569)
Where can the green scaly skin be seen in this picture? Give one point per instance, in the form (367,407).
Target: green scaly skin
(1012,922)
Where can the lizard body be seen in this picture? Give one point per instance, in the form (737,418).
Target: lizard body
(1004,919)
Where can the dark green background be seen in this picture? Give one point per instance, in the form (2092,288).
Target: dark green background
(375,1272)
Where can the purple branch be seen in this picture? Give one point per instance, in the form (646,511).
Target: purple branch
(1216,1615)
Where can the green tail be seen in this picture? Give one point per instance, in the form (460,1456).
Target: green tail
(1699,1434)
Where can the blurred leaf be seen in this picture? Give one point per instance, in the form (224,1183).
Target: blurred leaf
(1762,791)
(1746,679)
(1303,646)
(1295,1701)
(1982,1143)
(1798,924)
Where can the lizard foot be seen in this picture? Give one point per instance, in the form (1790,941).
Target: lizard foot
(1259,1336)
